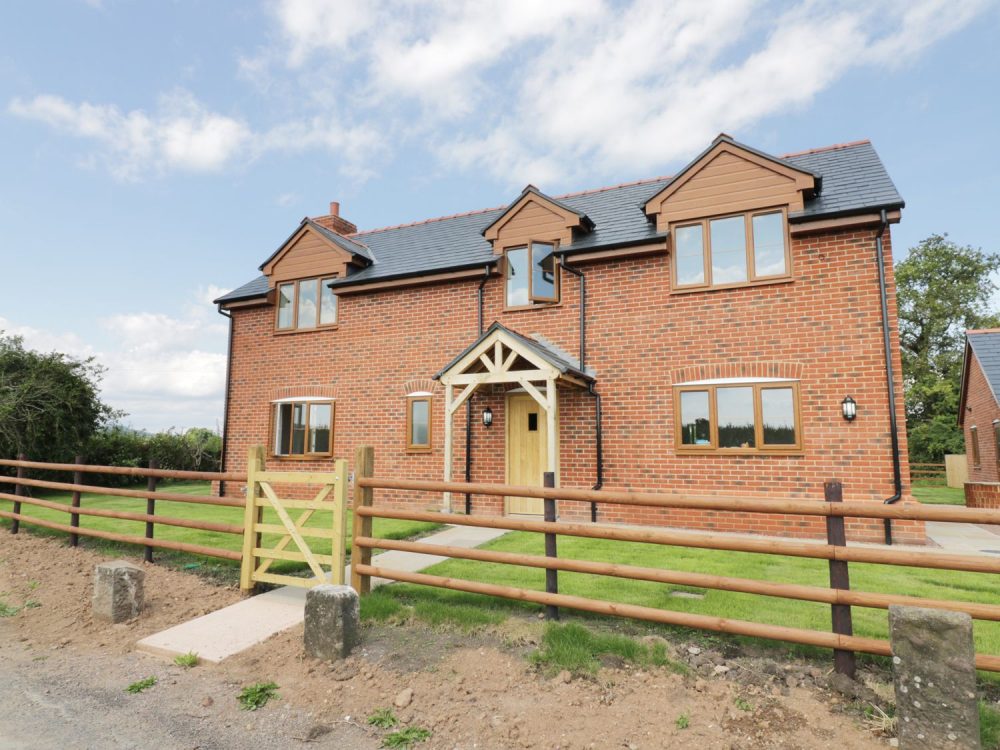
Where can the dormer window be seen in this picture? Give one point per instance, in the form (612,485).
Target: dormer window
(305,304)
(532,275)
(730,250)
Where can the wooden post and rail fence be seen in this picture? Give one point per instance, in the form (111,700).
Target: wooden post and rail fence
(75,509)
(256,557)
(839,595)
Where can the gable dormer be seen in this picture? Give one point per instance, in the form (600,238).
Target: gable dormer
(314,250)
(726,217)
(729,177)
(534,216)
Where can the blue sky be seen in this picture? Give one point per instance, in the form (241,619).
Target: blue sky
(153,154)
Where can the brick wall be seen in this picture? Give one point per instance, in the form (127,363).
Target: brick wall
(825,326)
(982,495)
(981,411)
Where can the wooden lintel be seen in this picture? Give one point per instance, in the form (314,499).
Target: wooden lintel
(656,248)
(431,278)
(511,376)
(842,222)
(255,302)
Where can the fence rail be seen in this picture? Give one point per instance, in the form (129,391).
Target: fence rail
(151,495)
(929,471)
(839,595)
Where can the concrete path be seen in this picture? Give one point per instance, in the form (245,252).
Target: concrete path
(965,538)
(239,626)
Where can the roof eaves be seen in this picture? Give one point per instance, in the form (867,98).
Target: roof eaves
(353,281)
(807,215)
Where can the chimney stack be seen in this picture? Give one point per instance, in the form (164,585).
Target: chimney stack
(334,222)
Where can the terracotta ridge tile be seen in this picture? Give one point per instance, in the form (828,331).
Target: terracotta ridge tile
(822,149)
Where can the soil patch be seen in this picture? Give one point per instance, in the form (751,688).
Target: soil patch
(470,691)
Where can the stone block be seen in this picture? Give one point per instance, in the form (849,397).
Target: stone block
(332,622)
(934,674)
(118,591)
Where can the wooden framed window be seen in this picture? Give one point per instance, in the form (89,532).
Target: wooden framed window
(306,304)
(738,417)
(974,445)
(731,251)
(303,428)
(532,275)
(418,422)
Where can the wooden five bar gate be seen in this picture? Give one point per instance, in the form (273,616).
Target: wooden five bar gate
(261,495)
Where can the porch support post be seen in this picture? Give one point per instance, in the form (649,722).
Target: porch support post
(448,414)
(550,417)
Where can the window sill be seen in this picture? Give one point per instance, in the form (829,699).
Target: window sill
(740,285)
(307,457)
(535,306)
(419,450)
(722,452)
(290,331)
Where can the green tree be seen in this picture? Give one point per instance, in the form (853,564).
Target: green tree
(49,403)
(942,290)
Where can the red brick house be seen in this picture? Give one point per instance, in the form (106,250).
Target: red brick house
(700,334)
(979,417)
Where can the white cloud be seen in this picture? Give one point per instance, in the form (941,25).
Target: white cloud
(164,371)
(526,91)
(182,134)
(534,91)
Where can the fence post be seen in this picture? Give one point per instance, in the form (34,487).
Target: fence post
(251,517)
(150,510)
(74,520)
(551,576)
(836,535)
(364,466)
(18,490)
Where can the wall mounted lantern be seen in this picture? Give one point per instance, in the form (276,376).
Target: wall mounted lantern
(487,417)
(849,408)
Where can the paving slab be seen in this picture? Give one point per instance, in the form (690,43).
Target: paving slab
(239,626)
(965,538)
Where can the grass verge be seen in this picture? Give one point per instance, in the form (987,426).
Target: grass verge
(937,494)
(582,651)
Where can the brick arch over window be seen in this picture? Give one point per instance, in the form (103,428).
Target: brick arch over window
(420,385)
(738,370)
(303,391)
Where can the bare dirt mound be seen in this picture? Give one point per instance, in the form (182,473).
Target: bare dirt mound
(469,691)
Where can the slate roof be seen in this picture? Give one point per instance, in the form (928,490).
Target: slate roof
(853,180)
(552,354)
(986,346)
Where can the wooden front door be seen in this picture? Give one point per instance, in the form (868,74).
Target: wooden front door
(527,433)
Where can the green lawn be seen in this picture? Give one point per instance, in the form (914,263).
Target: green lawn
(933,584)
(384,528)
(938,494)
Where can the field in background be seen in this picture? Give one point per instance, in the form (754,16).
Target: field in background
(385,528)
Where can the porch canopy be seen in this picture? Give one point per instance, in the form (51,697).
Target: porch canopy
(501,355)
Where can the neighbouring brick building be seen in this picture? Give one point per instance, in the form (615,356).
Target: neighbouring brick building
(979,416)
(702,334)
